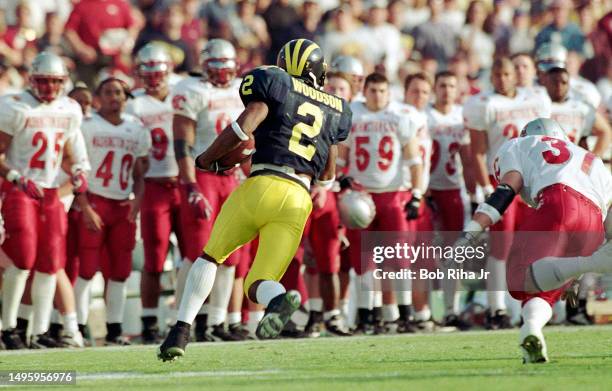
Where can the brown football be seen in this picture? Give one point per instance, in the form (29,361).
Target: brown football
(239,154)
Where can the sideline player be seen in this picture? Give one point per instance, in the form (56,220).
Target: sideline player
(381,149)
(492,118)
(118,146)
(203,107)
(160,211)
(37,127)
(573,191)
(450,158)
(578,118)
(296,127)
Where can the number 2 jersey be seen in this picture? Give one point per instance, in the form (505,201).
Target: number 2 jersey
(40,131)
(503,117)
(543,161)
(301,124)
(112,150)
(212,108)
(156,116)
(376,144)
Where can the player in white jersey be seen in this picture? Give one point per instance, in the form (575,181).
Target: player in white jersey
(572,190)
(450,159)
(118,146)
(493,118)
(417,94)
(203,107)
(353,68)
(576,117)
(380,151)
(37,128)
(160,211)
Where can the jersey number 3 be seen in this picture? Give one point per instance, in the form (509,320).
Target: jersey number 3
(311,131)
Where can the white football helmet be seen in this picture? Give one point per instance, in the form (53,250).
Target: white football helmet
(218,60)
(551,55)
(357,209)
(47,76)
(544,127)
(153,64)
(349,65)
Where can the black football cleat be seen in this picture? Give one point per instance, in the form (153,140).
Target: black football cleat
(44,341)
(12,340)
(498,321)
(278,313)
(175,343)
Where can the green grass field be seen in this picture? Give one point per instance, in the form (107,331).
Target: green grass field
(581,358)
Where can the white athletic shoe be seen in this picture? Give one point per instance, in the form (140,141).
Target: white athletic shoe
(72,340)
(534,350)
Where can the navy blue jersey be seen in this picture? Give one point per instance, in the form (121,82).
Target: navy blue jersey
(302,121)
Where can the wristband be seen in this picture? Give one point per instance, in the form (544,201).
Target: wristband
(326,184)
(13,176)
(239,132)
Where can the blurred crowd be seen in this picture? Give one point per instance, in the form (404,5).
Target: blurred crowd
(397,37)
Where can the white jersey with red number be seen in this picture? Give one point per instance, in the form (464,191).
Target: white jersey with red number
(112,152)
(156,116)
(212,108)
(376,141)
(575,116)
(39,131)
(543,161)
(448,135)
(419,118)
(503,117)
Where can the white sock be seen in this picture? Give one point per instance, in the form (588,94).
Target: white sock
(56,317)
(315,304)
(234,317)
(365,296)
(536,313)
(24,311)
(403,297)
(14,283)
(115,301)
(344,308)
(496,284)
(70,323)
(150,312)
(43,290)
(327,315)
(378,299)
(390,312)
(451,296)
(220,295)
(300,318)
(254,318)
(81,295)
(198,285)
(422,315)
(181,278)
(268,290)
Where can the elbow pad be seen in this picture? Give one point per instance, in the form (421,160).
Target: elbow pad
(182,149)
(497,203)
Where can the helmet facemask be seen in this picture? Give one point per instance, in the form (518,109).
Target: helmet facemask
(220,72)
(154,75)
(47,88)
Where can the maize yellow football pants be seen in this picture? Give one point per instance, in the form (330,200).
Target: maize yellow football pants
(272,207)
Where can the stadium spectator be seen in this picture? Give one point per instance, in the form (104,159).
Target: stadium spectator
(341,37)
(10,54)
(308,26)
(217,15)
(99,32)
(169,35)
(453,15)
(561,30)
(21,34)
(193,31)
(53,39)
(498,28)
(474,38)
(435,38)
(279,17)
(250,29)
(521,37)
